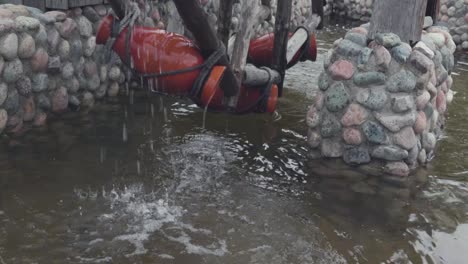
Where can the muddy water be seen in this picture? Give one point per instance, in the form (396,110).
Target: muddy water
(153,182)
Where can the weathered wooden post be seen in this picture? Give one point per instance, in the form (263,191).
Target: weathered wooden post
(433,7)
(224,18)
(283,18)
(317,8)
(402,17)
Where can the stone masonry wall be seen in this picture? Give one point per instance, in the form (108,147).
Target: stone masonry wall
(453,14)
(382,102)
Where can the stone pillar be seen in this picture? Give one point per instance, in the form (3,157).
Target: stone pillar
(382,102)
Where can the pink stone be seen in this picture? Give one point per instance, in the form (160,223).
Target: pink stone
(397,169)
(319,100)
(352,136)
(60,100)
(29,109)
(406,138)
(421,123)
(160,25)
(355,115)
(67,27)
(40,119)
(313,117)
(382,56)
(5,13)
(39,60)
(90,68)
(466,18)
(444,18)
(342,70)
(422,100)
(155,15)
(359,30)
(441,102)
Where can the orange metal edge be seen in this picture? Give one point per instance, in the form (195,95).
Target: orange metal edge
(312,49)
(210,89)
(273,99)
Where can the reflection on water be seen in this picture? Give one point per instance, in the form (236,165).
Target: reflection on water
(149,183)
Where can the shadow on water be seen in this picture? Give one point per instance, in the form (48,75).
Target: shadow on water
(148,183)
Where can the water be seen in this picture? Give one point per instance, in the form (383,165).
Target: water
(148,183)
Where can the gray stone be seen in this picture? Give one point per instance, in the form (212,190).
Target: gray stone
(54,64)
(356,155)
(422,157)
(364,56)
(64,49)
(11,103)
(88,100)
(331,148)
(57,15)
(323,81)
(357,38)
(101,91)
(442,75)
(84,26)
(73,86)
(388,40)
(330,126)
(401,52)
(369,78)
(348,48)
(27,46)
(390,153)
(395,122)
(13,70)
(89,46)
(6,25)
(9,46)
(406,138)
(24,86)
(429,110)
(336,97)
(428,22)
(420,62)
(53,39)
(67,70)
(3,119)
(40,82)
(3,92)
(403,81)
(429,141)
(41,37)
(76,49)
(399,169)
(43,101)
(94,82)
(374,98)
(374,132)
(114,73)
(47,20)
(402,103)
(91,14)
(23,23)
(313,139)
(74,101)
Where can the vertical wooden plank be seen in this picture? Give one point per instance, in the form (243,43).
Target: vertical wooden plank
(224,20)
(39,4)
(78,3)
(283,18)
(57,4)
(317,8)
(433,7)
(402,17)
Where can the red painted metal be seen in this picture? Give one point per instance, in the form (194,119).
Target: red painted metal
(261,51)
(157,51)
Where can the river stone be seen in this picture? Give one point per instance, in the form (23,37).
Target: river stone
(356,156)
(402,103)
(369,78)
(352,136)
(420,62)
(13,70)
(355,115)
(101,91)
(73,86)
(103,73)
(323,82)
(67,70)
(53,39)
(85,27)
(406,138)
(9,46)
(114,73)
(114,89)
(94,82)
(5,13)
(43,101)
(441,102)
(422,100)
(401,52)
(450,96)
(44,19)
(437,38)
(313,139)
(400,169)
(3,92)
(374,132)
(357,38)
(27,46)
(41,37)
(382,56)
(341,70)
(424,49)
(336,97)
(403,81)
(395,122)
(64,49)
(91,14)
(54,64)
(422,157)
(374,99)
(390,153)
(40,82)
(29,109)
(388,40)
(11,103)
(90,69)
(57,15)
(66,28)
(330,126)
(23,23)
(364,56)
(348,48)
(60,100)
(87,100)
(313,117)
(3,119)
(89,46)
(331,148)
(442,76)
(74,102)
(23,84)
(429,110)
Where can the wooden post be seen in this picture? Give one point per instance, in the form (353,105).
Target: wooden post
(195,20)
(283,18)
(317,8)
(224,20)
(402,17)
(433,7)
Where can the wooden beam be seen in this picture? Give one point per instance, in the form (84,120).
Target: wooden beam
(317,8)
(433,7)
(196,21)
(402,17)
(224,20)
(283,18)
